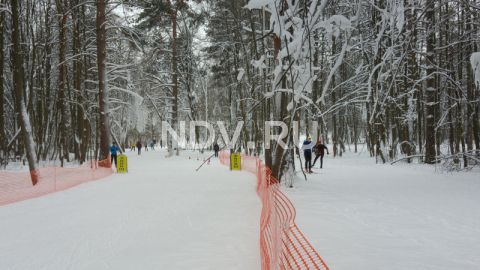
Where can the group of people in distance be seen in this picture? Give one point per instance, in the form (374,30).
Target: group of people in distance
(139,146)
(114,149)
(309,148)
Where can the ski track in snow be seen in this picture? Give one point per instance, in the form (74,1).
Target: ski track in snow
(161,215)
(164,215)
(361,216)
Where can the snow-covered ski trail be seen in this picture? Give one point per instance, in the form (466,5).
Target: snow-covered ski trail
(367,216)
(161,215)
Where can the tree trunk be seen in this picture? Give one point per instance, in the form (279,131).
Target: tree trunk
(3,138)
(173,17)
(430,92)
(62,81)
(18,76)
(102,81)
(77,85)
(277,155)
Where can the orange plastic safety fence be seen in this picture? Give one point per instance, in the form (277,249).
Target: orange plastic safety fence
(17,186)
(282,244)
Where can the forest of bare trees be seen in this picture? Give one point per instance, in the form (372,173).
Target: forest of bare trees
(394,76)
(397,78)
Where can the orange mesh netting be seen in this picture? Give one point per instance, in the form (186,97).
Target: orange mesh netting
(282,244)
(17,186)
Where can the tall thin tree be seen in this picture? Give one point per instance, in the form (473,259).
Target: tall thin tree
(430,85)
(102,81)
(18,85)
(2,79)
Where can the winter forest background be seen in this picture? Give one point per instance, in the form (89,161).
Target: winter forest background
(399,78)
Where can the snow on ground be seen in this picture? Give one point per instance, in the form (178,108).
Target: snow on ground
(161,215)
(359,215)
(164,215)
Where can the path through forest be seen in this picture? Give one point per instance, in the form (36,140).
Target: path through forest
(161,215)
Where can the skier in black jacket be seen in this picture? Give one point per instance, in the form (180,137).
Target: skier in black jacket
(319,149)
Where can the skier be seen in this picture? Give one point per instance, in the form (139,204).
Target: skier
(139,147)
(319,149)
(113,153)
(216,148)
(146,146)
(307,153)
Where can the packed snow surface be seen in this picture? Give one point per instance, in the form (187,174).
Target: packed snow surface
(164,215)
(161,215)
(359,215)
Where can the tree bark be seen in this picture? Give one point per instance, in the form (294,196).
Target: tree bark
(173,18)
(102,81)
(3,138)
(430,92)
(18,85)
(62,81)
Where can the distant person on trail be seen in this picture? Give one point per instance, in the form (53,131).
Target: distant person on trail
(154,142)
(319,149)
(307,153)
(132,147)
(216,148)
(139,147)
(146,146)
(113,152)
